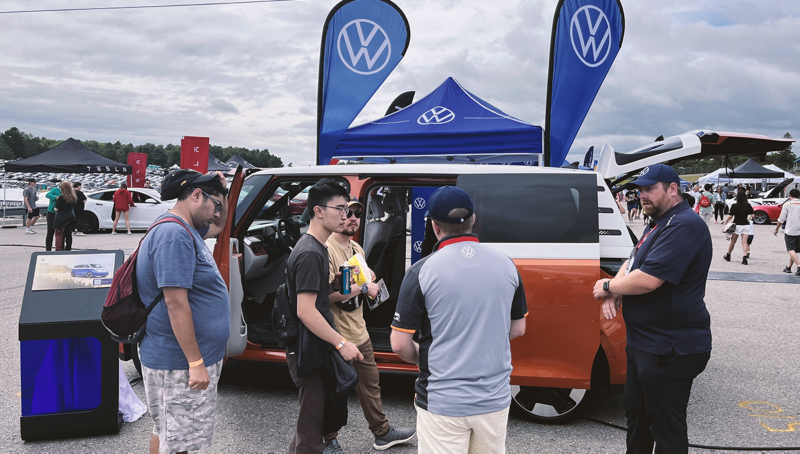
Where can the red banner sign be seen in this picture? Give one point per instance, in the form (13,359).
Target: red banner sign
(194,153)
(138,163)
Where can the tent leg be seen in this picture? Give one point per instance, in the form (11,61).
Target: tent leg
(541,160)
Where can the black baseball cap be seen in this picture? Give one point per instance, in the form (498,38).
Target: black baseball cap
(178,180)
(656,173)
(446,199)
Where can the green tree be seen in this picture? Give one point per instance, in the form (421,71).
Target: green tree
(5,151)
(15,140)
(784,158)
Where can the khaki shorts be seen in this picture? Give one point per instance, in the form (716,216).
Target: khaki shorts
(183,418)
(479,434)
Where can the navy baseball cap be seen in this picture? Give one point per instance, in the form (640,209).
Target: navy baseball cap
(656,173)
(446,199)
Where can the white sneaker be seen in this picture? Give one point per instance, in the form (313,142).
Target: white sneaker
(113,232)
(29,232)
(129,232)
(80,234)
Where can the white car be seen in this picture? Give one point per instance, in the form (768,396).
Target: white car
(149,206)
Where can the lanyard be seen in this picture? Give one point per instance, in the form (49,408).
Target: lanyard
(645,237)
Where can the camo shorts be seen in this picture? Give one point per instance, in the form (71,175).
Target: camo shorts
(183,418)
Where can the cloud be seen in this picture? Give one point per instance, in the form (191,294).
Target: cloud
(246,75)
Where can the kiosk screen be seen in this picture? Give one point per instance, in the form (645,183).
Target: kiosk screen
(73,271)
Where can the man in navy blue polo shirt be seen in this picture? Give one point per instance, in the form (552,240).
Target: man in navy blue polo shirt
(662,286)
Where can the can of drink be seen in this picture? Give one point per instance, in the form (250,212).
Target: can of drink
(344,287)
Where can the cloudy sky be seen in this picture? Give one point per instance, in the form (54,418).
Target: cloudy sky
(246,75)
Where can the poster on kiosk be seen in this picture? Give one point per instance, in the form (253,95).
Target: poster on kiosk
(194,153)
(138,163)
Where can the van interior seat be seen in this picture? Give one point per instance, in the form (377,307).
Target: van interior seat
(393,206)
(376,234)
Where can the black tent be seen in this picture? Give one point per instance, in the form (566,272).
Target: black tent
(752,169)
(214,164)
(236,161)
(68,156)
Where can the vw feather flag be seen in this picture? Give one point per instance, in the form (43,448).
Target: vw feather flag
(362,43)
(587,35)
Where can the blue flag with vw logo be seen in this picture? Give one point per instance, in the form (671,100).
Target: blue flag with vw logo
(362,43)
(587,35)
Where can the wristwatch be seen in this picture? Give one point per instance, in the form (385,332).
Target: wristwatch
(365,290)
(605,286)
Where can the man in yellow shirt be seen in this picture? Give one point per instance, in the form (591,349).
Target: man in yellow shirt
(349,317)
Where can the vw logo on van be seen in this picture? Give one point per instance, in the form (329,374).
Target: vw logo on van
(594,34)
(419,203)
(374,31)
(418,246)
(468,252)
(437,116)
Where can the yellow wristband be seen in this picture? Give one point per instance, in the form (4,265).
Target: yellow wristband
(196,363)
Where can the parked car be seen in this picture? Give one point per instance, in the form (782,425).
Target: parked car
(100,206)
(299,203)
(89,270)
(767,214)
(563,230)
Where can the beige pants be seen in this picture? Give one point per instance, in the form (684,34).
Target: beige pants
(479,434)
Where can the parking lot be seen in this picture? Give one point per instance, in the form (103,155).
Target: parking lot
(748,395)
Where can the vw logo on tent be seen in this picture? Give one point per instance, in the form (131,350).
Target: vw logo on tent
(468,252)
(418,246)
(591,34)
(437,116)
(529,163)
(370,37)
(419,203)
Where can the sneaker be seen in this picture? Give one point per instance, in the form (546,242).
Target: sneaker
(80,234)
(393,437)
(129,232)
(113,232)
(726,257)
(333,448)
(744,260)
(788,269)
(798,272)
(29,232)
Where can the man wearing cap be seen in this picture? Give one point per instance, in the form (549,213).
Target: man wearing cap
(29,197)
(184,344)
(348,313)
(661,288)
(467,302)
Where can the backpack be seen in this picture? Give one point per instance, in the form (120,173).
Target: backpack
(125,314)
(284,318)
(704,202)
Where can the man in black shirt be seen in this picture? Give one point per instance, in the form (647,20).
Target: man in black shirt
(78,208)
(308,284)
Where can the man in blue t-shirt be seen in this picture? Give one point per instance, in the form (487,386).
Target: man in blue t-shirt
(185,338)
(662,286)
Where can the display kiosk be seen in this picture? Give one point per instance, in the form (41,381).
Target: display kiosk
(69,365)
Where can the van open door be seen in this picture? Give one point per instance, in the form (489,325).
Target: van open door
(226,254)
(690,145)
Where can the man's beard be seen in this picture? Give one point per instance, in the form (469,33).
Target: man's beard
(349,231)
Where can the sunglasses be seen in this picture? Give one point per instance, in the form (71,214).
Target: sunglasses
(350,212)
(217,203)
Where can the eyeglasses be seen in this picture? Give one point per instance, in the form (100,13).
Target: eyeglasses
(350,212)
(342,210)
(217,203)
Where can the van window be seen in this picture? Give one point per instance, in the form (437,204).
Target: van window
(558,208)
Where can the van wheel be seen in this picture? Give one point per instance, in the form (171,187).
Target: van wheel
(549,405)
(761,218)
(91,222)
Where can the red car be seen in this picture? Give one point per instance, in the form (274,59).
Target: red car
(767,214)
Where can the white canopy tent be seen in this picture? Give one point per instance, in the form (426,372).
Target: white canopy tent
(721,174)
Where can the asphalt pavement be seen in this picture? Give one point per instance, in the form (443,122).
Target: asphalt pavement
(748,395)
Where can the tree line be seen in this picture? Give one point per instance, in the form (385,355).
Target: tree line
(16,144)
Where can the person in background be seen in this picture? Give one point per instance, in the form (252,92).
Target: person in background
(719,206)
(349,318)
(695,193)
(29,196)
(80,203)
(710,200)
(122,203)
(741,213)
(790,214)
(630,198)
(51,195)
(147,184)
(64,221)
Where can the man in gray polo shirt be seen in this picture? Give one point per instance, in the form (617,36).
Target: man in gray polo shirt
(467,302)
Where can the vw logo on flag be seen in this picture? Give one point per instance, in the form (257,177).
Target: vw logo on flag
(418,246)
(592,34)
(468,252)
(529,163)
(370,36)
(437,116)
(419,203)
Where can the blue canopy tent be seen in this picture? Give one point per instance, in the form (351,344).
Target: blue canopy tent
(449,125)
